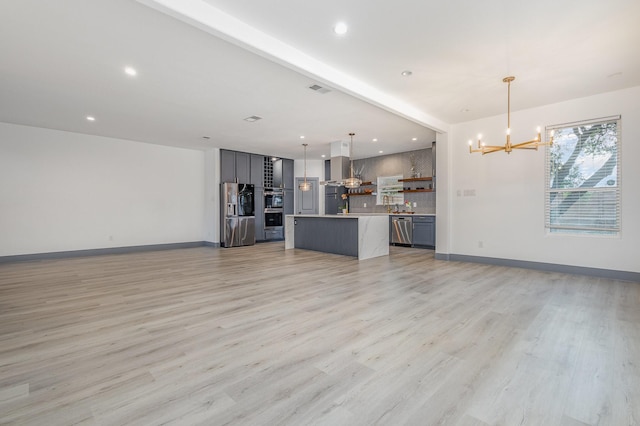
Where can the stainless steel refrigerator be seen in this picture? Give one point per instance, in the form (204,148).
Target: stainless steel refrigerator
(238,215)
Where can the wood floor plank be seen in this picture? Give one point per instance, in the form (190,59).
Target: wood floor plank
(261,335)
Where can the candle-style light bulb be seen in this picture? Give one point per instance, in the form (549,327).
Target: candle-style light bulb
(552,132)
(470,142)
(508,130)
(479,136)
(538,129)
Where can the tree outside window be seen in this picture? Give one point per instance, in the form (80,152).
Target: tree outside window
(583,178)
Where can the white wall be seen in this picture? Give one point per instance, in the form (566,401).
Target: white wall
(64,191)
(507,212)
(212,196)
(443,196)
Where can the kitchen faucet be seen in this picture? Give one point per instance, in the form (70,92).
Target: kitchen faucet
(385,202)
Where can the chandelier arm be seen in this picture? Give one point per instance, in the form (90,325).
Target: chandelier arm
(488,149)
(532,144)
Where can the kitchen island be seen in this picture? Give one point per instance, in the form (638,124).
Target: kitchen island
(361,235)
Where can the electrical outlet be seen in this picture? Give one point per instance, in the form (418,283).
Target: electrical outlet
(110,237)
(365,205)
(415,204)
(480,244)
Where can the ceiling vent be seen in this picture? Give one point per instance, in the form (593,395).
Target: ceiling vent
(319,89)
(253,118)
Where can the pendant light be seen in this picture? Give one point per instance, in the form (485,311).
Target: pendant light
(352,182)
(305,186)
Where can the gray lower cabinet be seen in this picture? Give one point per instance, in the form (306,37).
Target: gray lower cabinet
(259,213)
(339,236)
(424,231)
(288,201)
(274,234)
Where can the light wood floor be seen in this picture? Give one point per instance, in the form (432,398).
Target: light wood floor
(263,336)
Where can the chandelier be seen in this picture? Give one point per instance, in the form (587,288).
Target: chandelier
(352,182)
(305,186)
(508,146)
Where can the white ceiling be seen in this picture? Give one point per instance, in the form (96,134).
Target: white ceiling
(61,61)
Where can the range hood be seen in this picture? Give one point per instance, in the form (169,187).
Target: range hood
(340,164)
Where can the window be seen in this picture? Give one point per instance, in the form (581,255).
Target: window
(583,178)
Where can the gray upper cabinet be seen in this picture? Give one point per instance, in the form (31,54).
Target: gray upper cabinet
(283,173)
(257,170)
(234,166)
(287,174)
(227,166)
(243,168)
(277,173)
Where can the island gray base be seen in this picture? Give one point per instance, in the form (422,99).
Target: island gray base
(354,235)
(329,236)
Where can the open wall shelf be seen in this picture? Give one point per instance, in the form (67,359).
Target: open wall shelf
(420,179)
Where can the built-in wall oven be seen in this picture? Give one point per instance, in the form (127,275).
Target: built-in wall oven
(273,198)
(273,213)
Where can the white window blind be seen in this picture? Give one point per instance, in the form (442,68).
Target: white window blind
(583,177)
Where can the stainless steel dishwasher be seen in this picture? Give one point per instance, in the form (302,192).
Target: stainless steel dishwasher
(401,230)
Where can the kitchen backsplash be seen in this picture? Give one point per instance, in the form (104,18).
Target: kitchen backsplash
(391,165)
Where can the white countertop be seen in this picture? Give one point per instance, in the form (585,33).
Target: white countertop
(355,215)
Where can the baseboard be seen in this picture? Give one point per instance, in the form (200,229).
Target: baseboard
(103,251)
(541,266)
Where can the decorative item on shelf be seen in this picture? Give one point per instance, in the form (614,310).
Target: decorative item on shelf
(345,207)
(412,161)
(508,146)
(352,182)
(305,186)
(407,204)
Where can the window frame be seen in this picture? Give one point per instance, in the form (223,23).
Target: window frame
(577,229)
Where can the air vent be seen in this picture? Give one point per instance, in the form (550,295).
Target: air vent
(319,89)
(253,118)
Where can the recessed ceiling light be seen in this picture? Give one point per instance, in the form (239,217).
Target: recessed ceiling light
(206,137)
(91,118)
(319,89)
(374,140)
(252,119)
(323,156)
(406,73)
(340,28)
(414,139)
(380,152)
(301,137)
(130,71)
